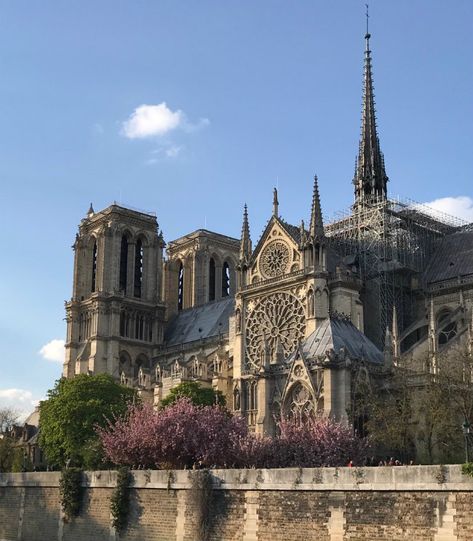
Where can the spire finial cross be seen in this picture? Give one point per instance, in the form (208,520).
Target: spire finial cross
(367,19)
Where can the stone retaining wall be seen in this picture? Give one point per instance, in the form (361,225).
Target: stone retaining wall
(385,503)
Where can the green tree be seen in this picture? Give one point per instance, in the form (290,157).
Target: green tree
(8,452)
(72,411)
(200,396)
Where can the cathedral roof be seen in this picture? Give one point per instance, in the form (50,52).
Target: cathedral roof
(452,259)
(202,322)
(336,334)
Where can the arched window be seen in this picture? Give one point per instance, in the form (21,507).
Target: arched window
(180,287)
(212,279)
(225,280)
(125,363)
(138,268)
(253,396)
(94,266)
(123,264)
(122,323)
(446,329)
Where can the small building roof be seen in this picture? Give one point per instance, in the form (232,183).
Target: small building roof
(336,334)
(201,322)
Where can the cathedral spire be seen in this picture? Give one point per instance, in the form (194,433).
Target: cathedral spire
(316,229)
(370,175)
(275,203)
(245,243)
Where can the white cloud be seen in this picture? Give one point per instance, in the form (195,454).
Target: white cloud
(460,207)
(53,351)
(21,400)
(152,120)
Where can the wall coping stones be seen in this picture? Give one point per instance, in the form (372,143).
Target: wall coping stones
(384,478)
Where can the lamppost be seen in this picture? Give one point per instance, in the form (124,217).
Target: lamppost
(466,432)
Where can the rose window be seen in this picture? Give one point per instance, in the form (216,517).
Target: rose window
(276,322)
(274,260)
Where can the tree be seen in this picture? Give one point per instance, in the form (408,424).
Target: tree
(8,418)
(420,414)
(8,453)
(72,411)
(181,435)
(198,395)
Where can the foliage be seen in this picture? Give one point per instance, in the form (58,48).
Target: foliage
(70,488)
(467,469)
(178,436)
(200,496)
(389,413)
(7,454)
(69,417)
(316,442)
(421,413)
(120,500)
(198,395)
(8,418)
(21,461)
(186,435)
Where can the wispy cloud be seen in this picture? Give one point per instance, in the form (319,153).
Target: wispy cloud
(460,207)
(151,120)
(164,152)
(53,351)
(173,151)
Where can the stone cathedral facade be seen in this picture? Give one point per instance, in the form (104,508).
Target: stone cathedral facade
(289,325)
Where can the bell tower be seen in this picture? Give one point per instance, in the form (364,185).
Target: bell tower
(115,316)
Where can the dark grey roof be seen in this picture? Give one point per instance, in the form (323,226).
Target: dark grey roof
(204,321)
(336,333)
(453,257)
(293,230)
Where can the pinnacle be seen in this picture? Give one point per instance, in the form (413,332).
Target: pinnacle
(245,243)
(316,229)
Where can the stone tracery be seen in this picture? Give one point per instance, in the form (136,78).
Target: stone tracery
(274,259)
(278,320)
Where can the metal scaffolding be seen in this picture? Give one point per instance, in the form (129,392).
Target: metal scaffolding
(390,241)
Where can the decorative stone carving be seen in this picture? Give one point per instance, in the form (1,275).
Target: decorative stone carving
(275,259)
(277,318)
(300,402)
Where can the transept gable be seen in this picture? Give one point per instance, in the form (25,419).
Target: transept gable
(277,252)
(302,389)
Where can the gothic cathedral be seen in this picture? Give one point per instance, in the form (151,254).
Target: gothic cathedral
(289,326)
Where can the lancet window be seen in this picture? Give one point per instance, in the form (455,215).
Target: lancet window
(225,280)
(94,267)
(138,268)
(123,264)
(180,287)
(212,279)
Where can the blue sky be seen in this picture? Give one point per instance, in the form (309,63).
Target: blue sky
(243,96)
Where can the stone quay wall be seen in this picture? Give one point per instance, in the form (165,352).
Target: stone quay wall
(324,504)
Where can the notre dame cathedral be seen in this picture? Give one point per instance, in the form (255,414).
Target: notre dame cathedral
(287,325)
